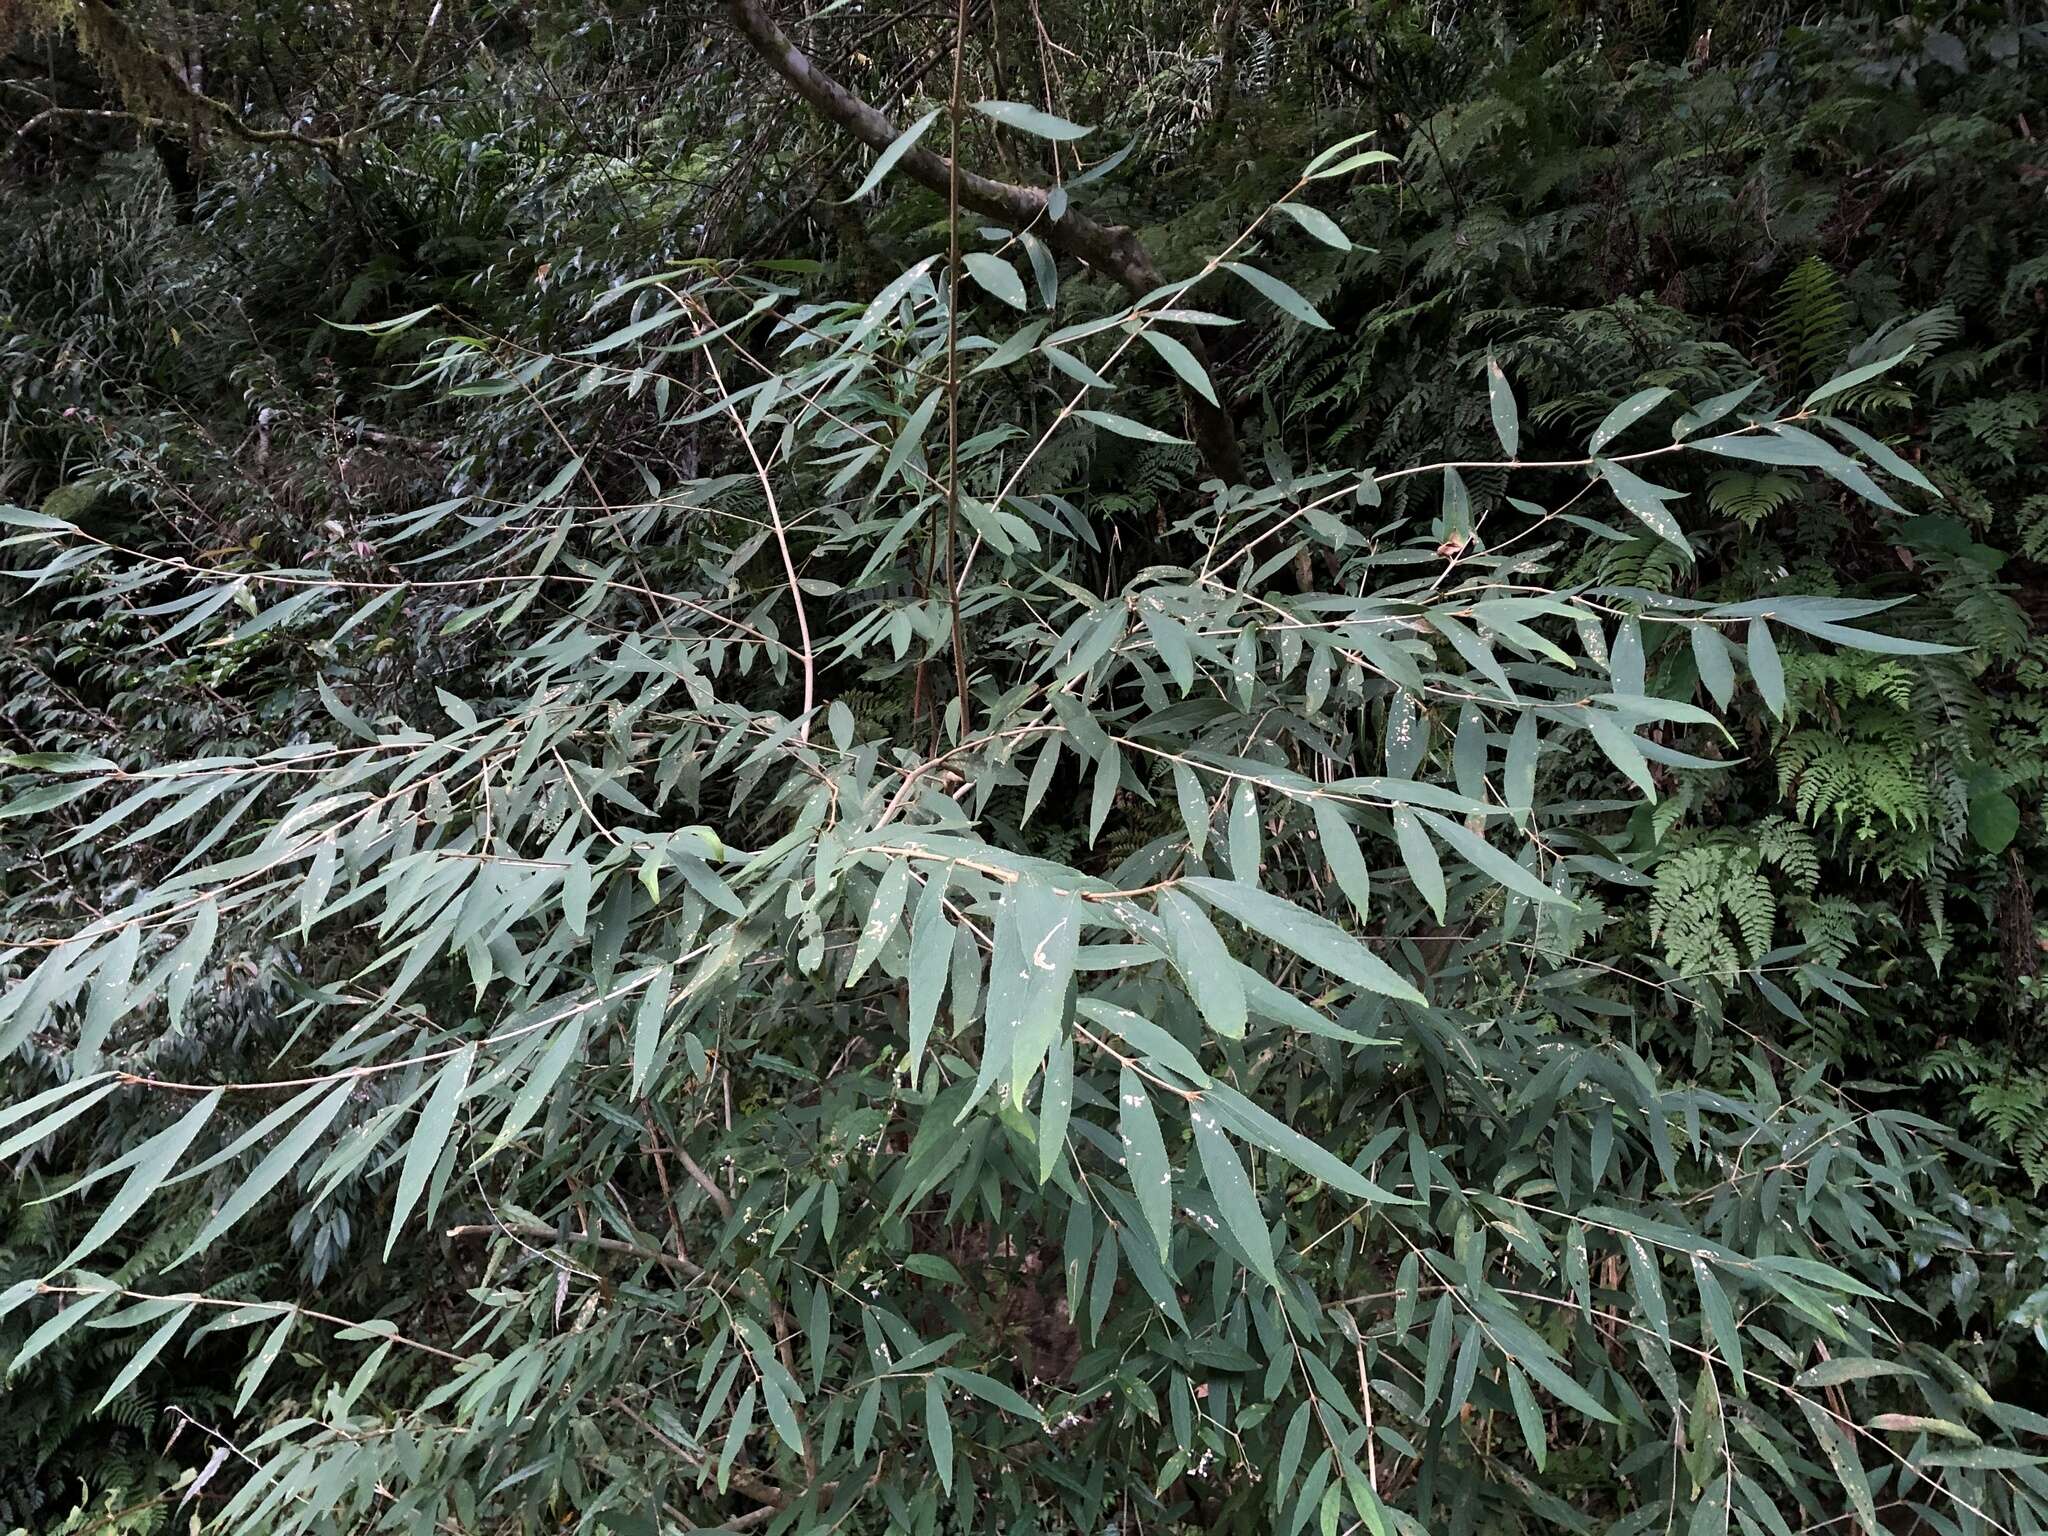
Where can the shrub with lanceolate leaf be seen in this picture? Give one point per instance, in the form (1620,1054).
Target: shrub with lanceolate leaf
(1157,1062)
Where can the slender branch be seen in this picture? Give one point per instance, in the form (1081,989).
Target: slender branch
(196,1299)
(796,590)
(603,1244)
(1113,249)
(703,1181)
(953,376)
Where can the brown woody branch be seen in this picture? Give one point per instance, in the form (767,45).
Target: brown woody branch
(1113,249)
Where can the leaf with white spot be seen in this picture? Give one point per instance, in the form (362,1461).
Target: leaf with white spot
(1145,1157)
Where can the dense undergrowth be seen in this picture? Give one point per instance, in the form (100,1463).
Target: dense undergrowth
(552,975)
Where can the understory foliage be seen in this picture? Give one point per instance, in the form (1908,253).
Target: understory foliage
(674,863)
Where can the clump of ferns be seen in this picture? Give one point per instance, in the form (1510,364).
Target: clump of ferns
(1715,903)
(2008,1104)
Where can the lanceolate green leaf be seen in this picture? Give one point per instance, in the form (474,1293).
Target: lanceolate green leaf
(997,276)
(1145,1157)
(1625,415)
(1720,1316)
(938,1424)
(141,1359)
(1224,1173)
(1316,939)
(1765,667)
(647,1022)
(931,953)
(1123,426)
(1418,853)
(1029,119)
(1183,362)
(1055,1107)
(1280,295)
(189,956)
(885,162)
(276,1163)
(1507,421)
(154,1160)
(884,917)
(1341,851)
(429,1138)
(1241,1117)
(1647,502)
(1317,223)
(1489,860)
(62,1322)
(1203,959)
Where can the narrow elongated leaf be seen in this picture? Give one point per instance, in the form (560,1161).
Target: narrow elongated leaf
(1055,1107)
(1356,162)
(1203,960)
(1716,667)
(1647,503)
(1194,808)
(189,956)
(1145,1157)
(736,1434)
(1622,750)
(46,798)
(1840,1450)
(1011,348)
(1186,366)
(1418,853)
(1123,426)
(1626,415)
(1245,842)
(429,1137)
(1323,159)
(1880,454)
(1490,861)
(1317,223)
(1238,1202)
(110,992)
(1280,295)
(909,437)
(1842,382)
(781,1417)
(1341,851)
(885,916)
(280,1160)
(1108,779)
(1518,773)
(1535,1430)
(1849,1368)
(1507,420)
(154,1160)
(931,954)
(1315,939)
(938,1425)
(993,1392)
(1153,1042)
(140,1360)
(1720,1317)
(1765,667)
(1711,410)
(1648,1286)
(1247,1121)
(885,162)
(1029,119)
(997,276)
(647,1020)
